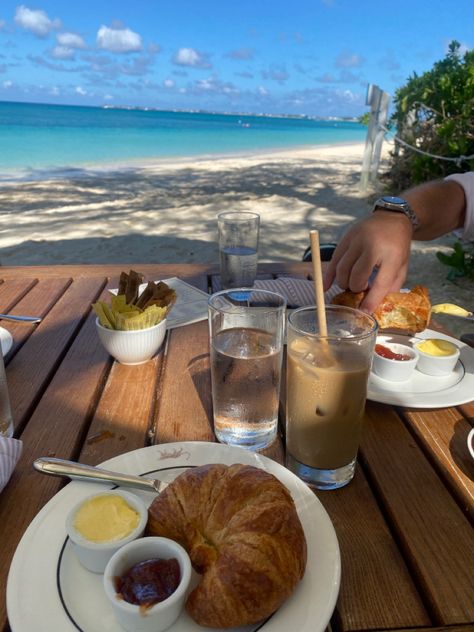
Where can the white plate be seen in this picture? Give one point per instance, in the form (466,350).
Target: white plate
(6,340)
(426,391)
(48,590)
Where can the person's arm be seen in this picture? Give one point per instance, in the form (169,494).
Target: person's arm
(383,240)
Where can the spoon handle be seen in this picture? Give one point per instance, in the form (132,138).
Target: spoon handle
(79,471)
(20,319)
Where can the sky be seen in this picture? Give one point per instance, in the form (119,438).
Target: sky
(305,57)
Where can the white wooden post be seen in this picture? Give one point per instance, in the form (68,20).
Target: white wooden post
(379,136)
(378,101)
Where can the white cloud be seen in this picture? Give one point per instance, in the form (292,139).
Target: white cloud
(262,91)
(349,60)
(190,57)
(36,21)
(7,84)
(70,40)
(118,40)
(80,90)
(55,91)
(168,83)
(63,52)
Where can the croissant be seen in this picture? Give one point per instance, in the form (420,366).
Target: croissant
(240,527)
(408,311)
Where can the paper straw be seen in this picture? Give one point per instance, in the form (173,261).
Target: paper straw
(318,283)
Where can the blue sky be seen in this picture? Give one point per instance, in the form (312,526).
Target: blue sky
(313,57)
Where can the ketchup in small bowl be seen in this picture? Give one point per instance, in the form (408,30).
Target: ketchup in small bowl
(393,361)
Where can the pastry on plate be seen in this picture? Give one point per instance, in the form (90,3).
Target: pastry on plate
(406,311)
(241,530)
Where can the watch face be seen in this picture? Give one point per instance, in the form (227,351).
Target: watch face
(393,200)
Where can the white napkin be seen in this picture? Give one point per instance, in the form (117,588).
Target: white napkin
(298,292)
(10,451)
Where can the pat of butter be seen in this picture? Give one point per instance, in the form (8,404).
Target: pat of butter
(106,519)
(436,347)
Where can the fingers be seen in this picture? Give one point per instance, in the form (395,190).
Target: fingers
(388,279)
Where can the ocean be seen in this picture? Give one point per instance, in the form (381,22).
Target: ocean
(45,137)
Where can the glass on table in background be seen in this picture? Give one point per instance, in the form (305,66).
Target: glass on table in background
(246,329)
(6,418)
(326,393)
(238,248)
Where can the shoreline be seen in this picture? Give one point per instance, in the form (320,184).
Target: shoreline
(81,169)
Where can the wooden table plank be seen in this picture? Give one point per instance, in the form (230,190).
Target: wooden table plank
(443,435)
(32,367)
(39,299)
(124,417)
(376,588)
(433,532)
(185,401)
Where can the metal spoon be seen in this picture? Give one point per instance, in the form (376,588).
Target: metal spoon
(79,471)
(21,319)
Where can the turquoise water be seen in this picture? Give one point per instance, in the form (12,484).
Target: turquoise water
(36,136)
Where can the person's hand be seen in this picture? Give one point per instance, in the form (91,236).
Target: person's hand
(380,241)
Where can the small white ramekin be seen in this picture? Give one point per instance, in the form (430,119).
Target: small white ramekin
(437,365)
(395,370)
(163,614)
(132,347)
(95,555)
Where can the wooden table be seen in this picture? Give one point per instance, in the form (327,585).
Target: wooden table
(404,524)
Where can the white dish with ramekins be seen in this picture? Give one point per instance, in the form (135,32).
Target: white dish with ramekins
(422,390)
(47,578)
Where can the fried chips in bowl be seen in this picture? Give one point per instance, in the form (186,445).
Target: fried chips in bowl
(131,310)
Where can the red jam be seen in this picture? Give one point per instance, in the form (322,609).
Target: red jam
(149,582)
(385,352)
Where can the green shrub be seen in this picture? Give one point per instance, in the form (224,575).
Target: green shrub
(435,113)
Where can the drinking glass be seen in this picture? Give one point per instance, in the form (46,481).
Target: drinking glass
(326,392)
(246,329)
(6,419)
(238,248)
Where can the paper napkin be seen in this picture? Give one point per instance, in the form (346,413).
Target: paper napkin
(298,292)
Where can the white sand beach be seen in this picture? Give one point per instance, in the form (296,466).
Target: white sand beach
(166,211)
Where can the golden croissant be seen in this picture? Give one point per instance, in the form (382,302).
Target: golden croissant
(240,527)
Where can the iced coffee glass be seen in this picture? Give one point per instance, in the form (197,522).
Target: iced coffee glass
(326,392)
(246,329)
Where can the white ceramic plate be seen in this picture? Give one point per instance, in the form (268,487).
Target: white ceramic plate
(6,340)
(426,391)
(48,589)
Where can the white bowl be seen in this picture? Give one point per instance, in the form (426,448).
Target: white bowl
(437,365)
(160,616)
(395,370)
(470,442)
(95,555)
(132,347)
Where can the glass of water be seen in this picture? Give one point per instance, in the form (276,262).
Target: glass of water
(246,329)
(238,248)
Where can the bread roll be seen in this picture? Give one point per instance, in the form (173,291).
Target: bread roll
(240,527)
(407,311)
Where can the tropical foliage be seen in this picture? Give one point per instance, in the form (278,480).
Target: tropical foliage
(434,112)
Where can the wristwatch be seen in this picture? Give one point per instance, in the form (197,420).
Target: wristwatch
(396,205)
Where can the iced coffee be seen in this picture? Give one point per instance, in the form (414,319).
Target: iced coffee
(326,392)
